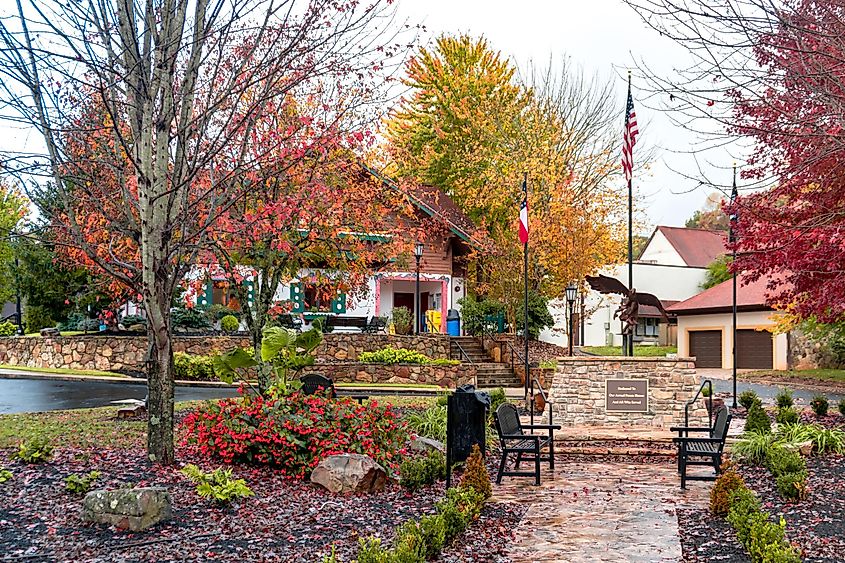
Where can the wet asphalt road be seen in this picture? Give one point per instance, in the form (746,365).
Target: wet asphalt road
(35,395)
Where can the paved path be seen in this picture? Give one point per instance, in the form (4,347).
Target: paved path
(609,512)
(723,383)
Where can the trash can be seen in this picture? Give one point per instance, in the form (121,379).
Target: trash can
(453,323)
(466,425)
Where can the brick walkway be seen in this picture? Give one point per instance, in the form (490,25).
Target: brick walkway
(594,511)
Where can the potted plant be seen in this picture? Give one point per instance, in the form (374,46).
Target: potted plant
(715,404)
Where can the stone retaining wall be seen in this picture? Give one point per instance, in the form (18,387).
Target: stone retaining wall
(578,391)
(126,353)
(444,376)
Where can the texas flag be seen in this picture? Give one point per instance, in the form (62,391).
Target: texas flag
(523,222)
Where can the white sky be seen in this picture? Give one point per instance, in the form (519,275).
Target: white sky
(604,37)
(601,36)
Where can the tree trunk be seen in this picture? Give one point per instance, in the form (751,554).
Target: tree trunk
(160,378)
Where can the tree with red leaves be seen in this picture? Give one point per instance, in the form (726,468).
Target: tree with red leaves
(773,72)
(170,92)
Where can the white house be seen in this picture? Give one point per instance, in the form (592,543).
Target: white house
(672,266)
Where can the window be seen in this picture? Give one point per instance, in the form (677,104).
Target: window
(221,294)
(647,327)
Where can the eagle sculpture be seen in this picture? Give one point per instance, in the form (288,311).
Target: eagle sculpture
(628,312)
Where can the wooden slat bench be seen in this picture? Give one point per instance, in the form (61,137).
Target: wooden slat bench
(333,322)
(514,440)
(315,383)
(702,450)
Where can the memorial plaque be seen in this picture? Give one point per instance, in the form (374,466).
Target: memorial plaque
(626,395)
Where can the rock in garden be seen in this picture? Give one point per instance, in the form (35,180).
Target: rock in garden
(50,331)
(133,509)
(349,473)
(423,444)
(805,448)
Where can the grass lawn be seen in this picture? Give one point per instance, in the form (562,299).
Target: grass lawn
(649,351)
(817,374)
(63,371)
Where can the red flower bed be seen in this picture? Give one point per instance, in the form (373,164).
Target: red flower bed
(295,432)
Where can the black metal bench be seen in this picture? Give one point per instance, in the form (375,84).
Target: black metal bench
(315,383)
(376,324)
(704,450)
(514,440)
(289,321)
(334,322)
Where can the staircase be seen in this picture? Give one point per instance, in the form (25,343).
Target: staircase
(490,373)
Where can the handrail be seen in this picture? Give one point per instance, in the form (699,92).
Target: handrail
(695,398)
(514,351)
(545,398)
(463,352)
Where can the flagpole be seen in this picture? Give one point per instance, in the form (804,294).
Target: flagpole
(529,384)
(732,238)
(630,337)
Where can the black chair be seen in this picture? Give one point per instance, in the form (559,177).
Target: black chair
(702,450)
(376,324)
(514,440)
(289,321)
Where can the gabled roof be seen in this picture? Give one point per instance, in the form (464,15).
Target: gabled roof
(434,202)
(696,247)
(719,298)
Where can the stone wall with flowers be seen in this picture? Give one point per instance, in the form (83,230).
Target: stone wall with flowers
(444,376)
(578,391)
(127,353)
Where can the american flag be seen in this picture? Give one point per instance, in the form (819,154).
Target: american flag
(629,137)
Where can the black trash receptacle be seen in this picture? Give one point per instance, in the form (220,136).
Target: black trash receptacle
(466,425)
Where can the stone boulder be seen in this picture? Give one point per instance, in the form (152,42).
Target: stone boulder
(349,473)
(423,444)
(133,509)
(50,331)
(805,448)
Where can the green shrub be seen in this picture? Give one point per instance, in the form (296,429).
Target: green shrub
(5,475)
(749,398)
(403,320)
(8,328)
(217,311)
(820,405)
(391,355)
(744,504)
(706,391)
(827,439)
(767,542)
(184,317)
(35,318)
(409,546)
(370,550)
(454,520)
(229,323)
(727,482)
(474,313)
(781,461)
(475,475)
(497,398)
(841,406)
(79,483)
(787,415)
(784,399)
(792,486)
(758,420)
(193,368)
(430,423)
(753,447)
(431,531)
(132,320)
(331,557)
(444,362)
(417,473)
(217,485)
(34,450)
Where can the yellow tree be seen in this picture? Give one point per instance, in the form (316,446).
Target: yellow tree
(471,127)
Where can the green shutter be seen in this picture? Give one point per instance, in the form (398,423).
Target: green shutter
(250,292)
(296,297)
(207,297)
(338,306)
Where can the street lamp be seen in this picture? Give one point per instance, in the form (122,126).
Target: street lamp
(13,237)
(418,252)
(571,295)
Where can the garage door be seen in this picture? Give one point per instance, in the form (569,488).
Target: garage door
(754,349)
(706,346)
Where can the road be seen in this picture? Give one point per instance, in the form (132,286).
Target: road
(35,395)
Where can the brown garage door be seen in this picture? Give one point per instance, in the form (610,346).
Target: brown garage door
(754,349)
(706,346)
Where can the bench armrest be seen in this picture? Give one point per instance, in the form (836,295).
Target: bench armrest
(542,426)
(689,429)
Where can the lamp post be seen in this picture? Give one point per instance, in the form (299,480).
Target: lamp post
(732,238)
(418,252)
(13,237)
(571,295)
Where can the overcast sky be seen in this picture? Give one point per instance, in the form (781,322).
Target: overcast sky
(601,36)
(604,37)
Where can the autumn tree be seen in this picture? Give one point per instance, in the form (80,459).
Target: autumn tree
(712,217)
(473,127)
(164,89)
(13,208)
(772,73)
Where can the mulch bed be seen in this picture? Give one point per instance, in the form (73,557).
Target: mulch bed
(705,538)
(287,520)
